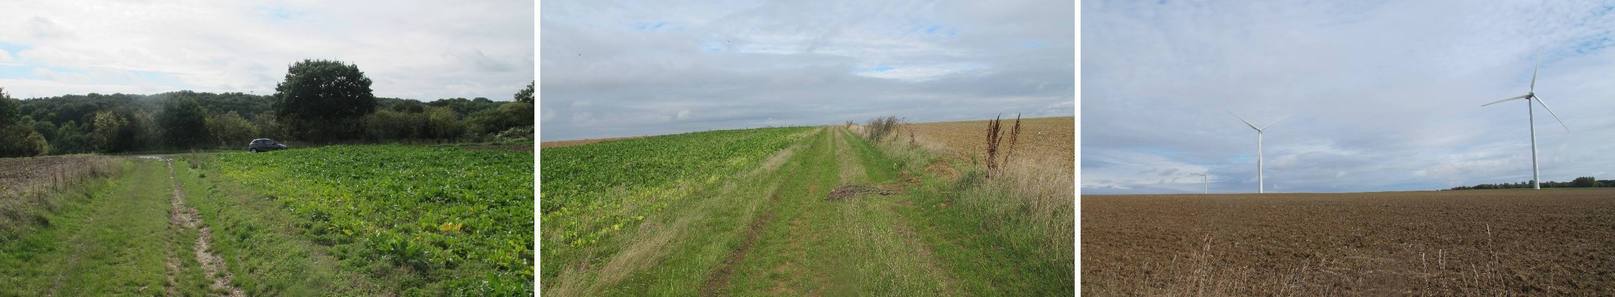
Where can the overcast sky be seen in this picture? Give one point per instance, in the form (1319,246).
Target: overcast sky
(1381,95)
(620,68)
(412,49)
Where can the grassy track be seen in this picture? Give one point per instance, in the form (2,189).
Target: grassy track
(776,231)
(113,239)
(854,246)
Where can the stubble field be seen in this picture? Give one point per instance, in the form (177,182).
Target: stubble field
(1047,142)
(1466,243)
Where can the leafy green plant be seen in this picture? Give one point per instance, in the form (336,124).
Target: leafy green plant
(443,214)
(591,192)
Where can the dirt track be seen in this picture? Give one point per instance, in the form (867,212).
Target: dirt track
(219,277)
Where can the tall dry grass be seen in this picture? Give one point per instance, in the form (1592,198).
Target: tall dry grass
(1029,199)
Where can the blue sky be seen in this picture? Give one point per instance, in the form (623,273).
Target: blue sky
(411,49)
(1380,95)
(622,68)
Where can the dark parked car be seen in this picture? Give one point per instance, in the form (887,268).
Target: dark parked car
(264,145)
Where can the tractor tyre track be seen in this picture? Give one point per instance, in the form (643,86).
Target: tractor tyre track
(719,278)
(218,275)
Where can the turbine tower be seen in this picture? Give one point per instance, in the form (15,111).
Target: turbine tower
(1530,111)
(1205,180)
(1259,182)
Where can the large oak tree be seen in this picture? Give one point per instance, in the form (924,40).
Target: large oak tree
(324,100)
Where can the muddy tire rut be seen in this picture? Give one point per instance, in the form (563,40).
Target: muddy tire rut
(719,278)
(218,275)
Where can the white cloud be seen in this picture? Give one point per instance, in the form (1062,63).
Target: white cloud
(1120,171)
(745,63)
(412,49)
(1383,95)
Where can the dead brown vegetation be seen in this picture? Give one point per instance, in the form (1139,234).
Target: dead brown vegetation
(995,164)
(849,191)
(879,129)
(28,184)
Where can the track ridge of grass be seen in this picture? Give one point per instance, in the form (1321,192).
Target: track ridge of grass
(218,274)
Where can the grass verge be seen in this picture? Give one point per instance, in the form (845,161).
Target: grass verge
(1007,236)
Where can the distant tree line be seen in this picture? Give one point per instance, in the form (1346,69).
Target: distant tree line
(1580,182)
(319,101)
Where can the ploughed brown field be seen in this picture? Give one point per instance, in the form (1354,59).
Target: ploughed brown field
(25,175)
(1557,242)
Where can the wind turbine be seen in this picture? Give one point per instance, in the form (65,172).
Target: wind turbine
(1530,111)
(1205,179)
(1259,130)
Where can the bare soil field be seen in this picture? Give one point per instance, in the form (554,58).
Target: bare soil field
(1042,140)
(1557,242)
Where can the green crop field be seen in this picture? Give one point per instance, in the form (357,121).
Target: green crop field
(591,191)
(451,219)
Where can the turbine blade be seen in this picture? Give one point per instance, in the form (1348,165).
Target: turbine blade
(1533,77)
(1538,100)
(1247,123)
(1506,99)
(1270,124)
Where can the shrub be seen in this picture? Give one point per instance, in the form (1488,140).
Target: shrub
(877,129)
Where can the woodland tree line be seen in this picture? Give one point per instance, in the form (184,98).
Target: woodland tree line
(319,101)
(1579,182)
